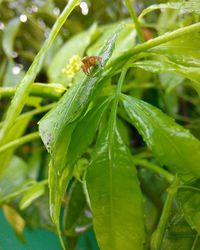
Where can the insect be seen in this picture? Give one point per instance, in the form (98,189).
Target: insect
(89,62)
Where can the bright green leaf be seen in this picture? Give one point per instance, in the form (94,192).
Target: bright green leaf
(190,6)
(115,196)
(171,144)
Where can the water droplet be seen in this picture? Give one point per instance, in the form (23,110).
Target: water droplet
(51,210)
(14,54)
(16,69)
(2,26)
(56,11)
(34,8)
(47,32)
(80,229)
(41,23)
(88,214)
(84,8)
(23,18)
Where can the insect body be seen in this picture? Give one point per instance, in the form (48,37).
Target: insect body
(88,62)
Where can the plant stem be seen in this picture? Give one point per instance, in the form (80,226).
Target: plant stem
(158,235)
(52,91)
(153,43)
(155,168)
(20,141)
(33,112)
(112,121)
(25,84)
(133,15)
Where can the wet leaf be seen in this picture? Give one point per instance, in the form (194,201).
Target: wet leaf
(160,64)
(190,6)
(171,144)
(57,126)
(115,196)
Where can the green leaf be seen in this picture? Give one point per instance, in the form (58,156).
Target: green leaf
(24,86)
(191,6)
(189,201)
(80,138)
(14,181)
(115,196)
(184,50)
(37,190)
(160,64)
(57,126)
(179,234)
(9,35)
(77,216)
(171,144)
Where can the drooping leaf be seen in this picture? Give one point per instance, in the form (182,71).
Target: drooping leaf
(115,196)
(190,6)
(77,216)
(171,144)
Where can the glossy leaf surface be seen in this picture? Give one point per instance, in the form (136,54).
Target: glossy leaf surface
(173,145)
(115,196)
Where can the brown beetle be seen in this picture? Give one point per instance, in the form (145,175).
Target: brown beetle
(89,62)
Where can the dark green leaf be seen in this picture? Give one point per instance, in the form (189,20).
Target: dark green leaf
(172,145)
(77,216)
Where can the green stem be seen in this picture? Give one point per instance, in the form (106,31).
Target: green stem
(158,235)
(149,165)
(153,43)
(20,141)
(25,84)
(133,15)
(33,112)
(113,114)
(52,91)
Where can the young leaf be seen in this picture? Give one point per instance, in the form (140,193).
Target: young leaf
(115,196)
(173,145)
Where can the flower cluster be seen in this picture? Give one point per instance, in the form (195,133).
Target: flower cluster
(73,66)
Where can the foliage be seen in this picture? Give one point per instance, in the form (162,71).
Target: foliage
(117,151)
